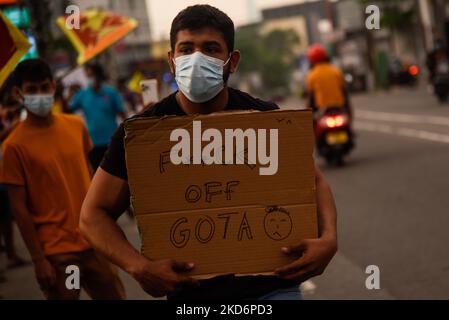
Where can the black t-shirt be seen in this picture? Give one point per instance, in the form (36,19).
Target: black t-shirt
(223,287)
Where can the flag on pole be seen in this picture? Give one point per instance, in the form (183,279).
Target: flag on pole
(14,46)
(134,83)
(3,2)
(98,31)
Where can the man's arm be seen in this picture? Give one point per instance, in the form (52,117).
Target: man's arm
(74,100)
(45,273)
(87,146)
(108,197)
(315,254)
(97,222)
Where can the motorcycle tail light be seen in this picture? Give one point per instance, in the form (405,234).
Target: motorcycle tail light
(413,70)
(334,121)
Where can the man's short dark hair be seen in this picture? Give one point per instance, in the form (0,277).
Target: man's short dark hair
(203,16)
(32,70)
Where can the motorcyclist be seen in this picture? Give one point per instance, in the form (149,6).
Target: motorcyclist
(437,60)
(438,65)
(325,83)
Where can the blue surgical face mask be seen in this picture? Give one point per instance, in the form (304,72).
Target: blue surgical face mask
(39,104)
(200,77)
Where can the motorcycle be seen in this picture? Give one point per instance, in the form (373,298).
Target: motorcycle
(402,74)
(441,80)
(334,137)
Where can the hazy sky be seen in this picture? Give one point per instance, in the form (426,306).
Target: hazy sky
(162,12)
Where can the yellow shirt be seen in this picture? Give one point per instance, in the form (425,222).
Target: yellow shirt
(52,163)
(326,83)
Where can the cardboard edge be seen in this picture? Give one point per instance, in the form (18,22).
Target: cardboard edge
(215,114)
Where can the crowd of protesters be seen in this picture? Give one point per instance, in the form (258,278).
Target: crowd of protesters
(47,161)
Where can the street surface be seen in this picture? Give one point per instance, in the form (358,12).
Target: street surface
(393,206)
(393,201)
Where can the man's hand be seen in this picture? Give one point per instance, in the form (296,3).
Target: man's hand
(314,256)
(45,274)
(159,278)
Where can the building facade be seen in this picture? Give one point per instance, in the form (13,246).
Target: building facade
(135,47)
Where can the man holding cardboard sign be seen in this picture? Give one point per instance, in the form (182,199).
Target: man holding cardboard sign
(202,224)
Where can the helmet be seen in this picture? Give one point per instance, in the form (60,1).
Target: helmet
(317,53)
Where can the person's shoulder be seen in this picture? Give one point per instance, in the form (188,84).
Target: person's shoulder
(107,87)
(10,141)
(82,92)
(324,70)
(337,72)
(71,120)
(243,100)
(15,138)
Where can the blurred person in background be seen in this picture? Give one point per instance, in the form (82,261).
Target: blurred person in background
(325,83)
(132,100)
(437,59)
(10,110)
(60,105)
(438,65)
(101,104)
(46,168)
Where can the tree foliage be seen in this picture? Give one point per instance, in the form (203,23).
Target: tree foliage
(394,14)
(271,55)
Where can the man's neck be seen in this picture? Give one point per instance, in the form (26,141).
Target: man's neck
(217,104)
(36,121)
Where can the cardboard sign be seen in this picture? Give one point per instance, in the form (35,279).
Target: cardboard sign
(226,191)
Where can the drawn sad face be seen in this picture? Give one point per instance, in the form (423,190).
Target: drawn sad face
(278,225)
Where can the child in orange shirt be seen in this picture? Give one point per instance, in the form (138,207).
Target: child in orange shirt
(45,165)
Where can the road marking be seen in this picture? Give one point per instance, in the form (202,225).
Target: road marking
(405,132)
(400,117)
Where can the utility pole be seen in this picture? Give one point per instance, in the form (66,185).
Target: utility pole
(439,10)
(41,17)
(426,23)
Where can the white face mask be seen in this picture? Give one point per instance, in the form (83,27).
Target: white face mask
(200,77)
(39,104)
